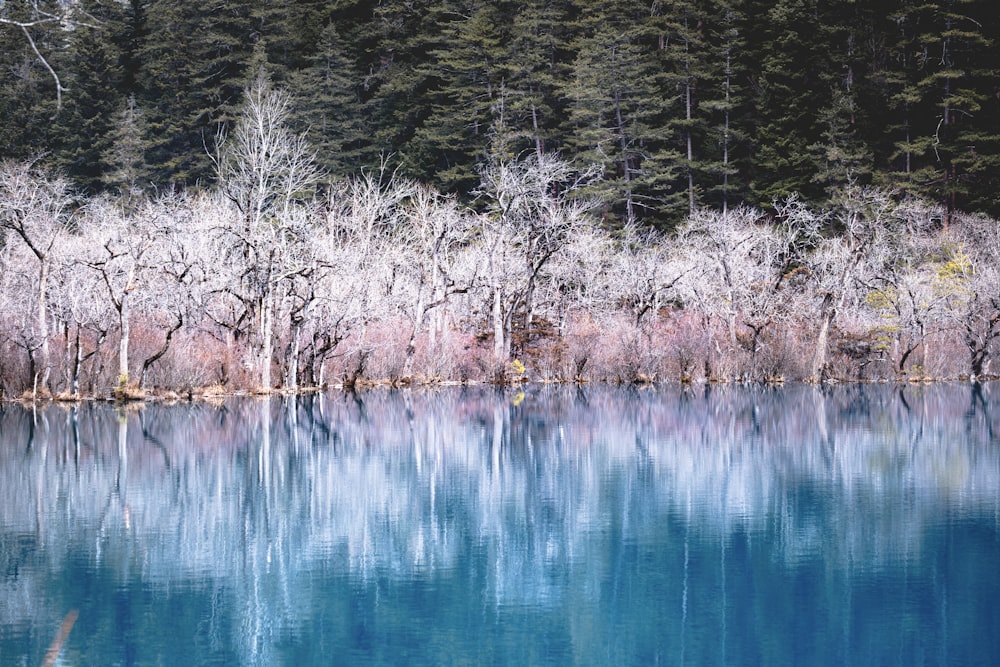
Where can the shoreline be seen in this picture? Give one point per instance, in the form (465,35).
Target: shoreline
(211,394)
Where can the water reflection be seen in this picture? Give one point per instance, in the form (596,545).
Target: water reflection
(717,525)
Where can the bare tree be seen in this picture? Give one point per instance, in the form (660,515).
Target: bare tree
(581,277)
(176,267)
(119,251)
(365,256)
(531,214)
(33,207)
(866,234)
(970,282)
(266,172)
(645,272)
(78,306)
(741,259)
(434,231)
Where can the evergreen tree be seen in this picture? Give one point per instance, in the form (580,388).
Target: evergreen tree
(537,63)
(399,82)
(126,171)
(194,69)
(944,139)
(467,69)
(725,184)
(688,53)
(327,105)
(792,81)
(840,158)
(618,100)
(95,79)
(29,95)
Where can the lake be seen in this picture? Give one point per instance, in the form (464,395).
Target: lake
(713,525)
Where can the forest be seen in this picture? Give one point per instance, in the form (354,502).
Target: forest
(274,195)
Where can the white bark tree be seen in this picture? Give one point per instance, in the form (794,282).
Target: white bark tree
(176,267)
(78,305)
(30,15)
(970,282)
(531,215)
(267,173)
(865,235)
(120,250)
(364,256)
(739,260)
(34,207)
(433,232)
(645,271)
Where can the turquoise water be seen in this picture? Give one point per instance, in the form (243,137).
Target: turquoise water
(716,526)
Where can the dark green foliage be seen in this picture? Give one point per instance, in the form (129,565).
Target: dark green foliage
(465,76)
(682,104)
(328,106)
(28,97)
(95,78)
(724,101)
(194,71)
(619,96)
(793,80)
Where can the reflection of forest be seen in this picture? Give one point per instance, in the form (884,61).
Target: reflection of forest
(256,494)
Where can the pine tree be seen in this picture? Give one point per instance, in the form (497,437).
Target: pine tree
(399,84)
(688,53)
(194,68)
(29,96)
(95,80)
(725,184)
(537,62)
(792,81)
(125,166)
(944,139)
(618,100)
(468,71)
(327,105)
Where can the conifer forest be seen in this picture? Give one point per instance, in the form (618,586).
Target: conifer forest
(259,195)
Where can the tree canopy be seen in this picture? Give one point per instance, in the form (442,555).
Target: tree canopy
(680,105)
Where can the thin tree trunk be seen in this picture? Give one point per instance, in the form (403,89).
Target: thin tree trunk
(159,353)
(626,170)
(292,381)
(43,325)
(74,382)
(411,345)
(725,134)
(266,342)
(499,343)
(688,103)
(827,313)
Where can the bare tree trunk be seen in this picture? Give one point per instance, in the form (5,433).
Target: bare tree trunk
(43,324)
(74,384)
(123,344)
(539,147)
(725,137)
(688,102)
(438,294)
(292,381)
(499,344)
(159,353)
(266,341)
(626,171)
(411,345)
(827,313)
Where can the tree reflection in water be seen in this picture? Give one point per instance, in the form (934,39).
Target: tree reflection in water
(641,525)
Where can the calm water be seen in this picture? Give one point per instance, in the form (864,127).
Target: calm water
(720,526)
